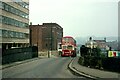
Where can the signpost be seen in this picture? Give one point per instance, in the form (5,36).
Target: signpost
(113,53)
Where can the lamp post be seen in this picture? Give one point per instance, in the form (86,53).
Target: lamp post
(51,38)
(48,39)
(91,47)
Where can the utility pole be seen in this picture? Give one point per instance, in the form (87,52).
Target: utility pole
(51,38)
(51,41)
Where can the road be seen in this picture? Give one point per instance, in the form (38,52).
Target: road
(41,68)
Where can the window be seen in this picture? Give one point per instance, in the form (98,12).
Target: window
(17,12)
(26,25)
(26,5)
(20,24)
(69,47)
(9,8)
(17,23)
(23,4)
(17,35)
(21,35)
(6,7)
(0,4)
(9,21)
(0,19)
(5,33)
(12,22)
(64,47)
(14,34)
(3,6)
(12,10)
(0,32)
(11,33)
(26,35)
(3,19)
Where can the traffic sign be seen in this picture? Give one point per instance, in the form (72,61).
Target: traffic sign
(113,53)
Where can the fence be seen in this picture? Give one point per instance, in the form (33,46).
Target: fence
(111,63)
(19,54)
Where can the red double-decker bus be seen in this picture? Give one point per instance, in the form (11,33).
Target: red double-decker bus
(68,46)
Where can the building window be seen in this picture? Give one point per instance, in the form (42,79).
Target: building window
(0,32)
(5,33)
(0,4)
(23,4)
(17,35)
(0,19)
(6,7)
(13,22)
(13,34)
(13,10)
(21,35)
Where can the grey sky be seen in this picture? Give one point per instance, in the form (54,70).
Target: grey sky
(78,18)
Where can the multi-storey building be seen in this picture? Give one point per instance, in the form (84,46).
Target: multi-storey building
(113,45)
(119,25)
(91,43)
(46,36)
(102,44)
(96,43)
(14,23)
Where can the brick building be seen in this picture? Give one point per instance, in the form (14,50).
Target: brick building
(46,36)
(14,20)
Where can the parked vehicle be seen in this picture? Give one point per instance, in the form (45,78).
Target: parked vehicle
(59,48)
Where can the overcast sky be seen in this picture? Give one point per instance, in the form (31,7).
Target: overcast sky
(79,18)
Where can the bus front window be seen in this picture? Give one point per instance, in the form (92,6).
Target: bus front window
(69,47)
(64,47)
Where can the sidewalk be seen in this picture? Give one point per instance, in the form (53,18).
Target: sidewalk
(17,63)
(94,72)
(24,61)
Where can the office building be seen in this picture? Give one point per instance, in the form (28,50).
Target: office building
(14,23)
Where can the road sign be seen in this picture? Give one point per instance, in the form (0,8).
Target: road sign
(113,53)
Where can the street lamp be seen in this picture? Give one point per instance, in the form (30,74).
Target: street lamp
(91,43)
(48,46)
(51,38)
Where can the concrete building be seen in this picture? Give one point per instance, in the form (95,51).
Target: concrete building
(102,44)
(96,43)
(90,43)
(119,26)
(113,45)
(46,36)
(14,23)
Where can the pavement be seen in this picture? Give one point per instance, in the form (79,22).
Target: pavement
(24,61)
(92,73)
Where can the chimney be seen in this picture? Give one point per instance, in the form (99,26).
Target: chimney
(105,39)
(30,23)
(90,38)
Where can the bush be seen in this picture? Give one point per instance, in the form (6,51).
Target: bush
(81,61)
(111,64)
